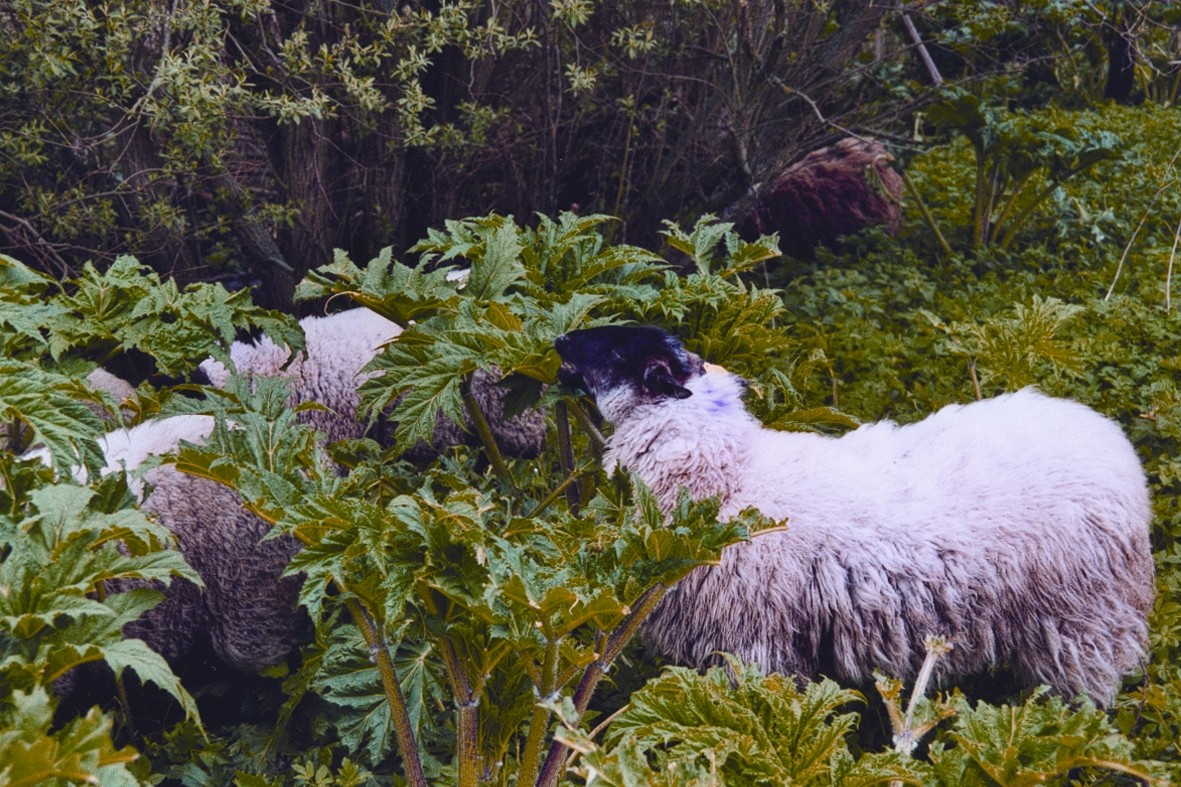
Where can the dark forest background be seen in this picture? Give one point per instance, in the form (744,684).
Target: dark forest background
(244,140)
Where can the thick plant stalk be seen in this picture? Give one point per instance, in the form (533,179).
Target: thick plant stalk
(564,487)
(592,431)
(403,729)
(467,717)
(927,217)
(539,722)
(598,445)
(555,761)
(986,193)
(485,432)
(566,452)
(1023,215)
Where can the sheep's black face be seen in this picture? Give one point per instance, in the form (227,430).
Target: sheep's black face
(648,362)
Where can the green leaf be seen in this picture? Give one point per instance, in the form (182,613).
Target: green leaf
(349,680)
(497,268)
(64,426)
(53,613)
(395,291)
(1031,743)
(31,755)
(708,236)
(745,728)
(125,308)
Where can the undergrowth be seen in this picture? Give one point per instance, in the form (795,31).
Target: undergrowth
(474,618)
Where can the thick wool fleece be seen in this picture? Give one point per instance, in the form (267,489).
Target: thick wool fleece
(1017,527)
(338,346)
(248,611)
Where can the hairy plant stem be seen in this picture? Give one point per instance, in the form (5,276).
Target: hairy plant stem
(482,429)
(591,430)
(913,191)
(555,761)
(539,722)
(586,489)
(998,218)
(565,454)
(403,729)
(1023,215)
(978,217)
(467,716)
(564,487)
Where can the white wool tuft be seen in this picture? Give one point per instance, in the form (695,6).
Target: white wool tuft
(338,347)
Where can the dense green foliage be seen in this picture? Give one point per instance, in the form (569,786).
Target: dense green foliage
(474,617)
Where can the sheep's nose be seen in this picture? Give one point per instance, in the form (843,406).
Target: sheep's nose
(562,343)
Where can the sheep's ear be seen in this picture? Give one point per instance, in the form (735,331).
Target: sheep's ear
(658,379)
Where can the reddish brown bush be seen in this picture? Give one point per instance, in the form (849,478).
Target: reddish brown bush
(833,191)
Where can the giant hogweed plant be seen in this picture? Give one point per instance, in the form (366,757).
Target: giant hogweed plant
(1021,160)
(522,598)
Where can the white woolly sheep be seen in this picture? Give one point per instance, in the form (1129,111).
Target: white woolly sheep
(329,372)
(116,387)
(1018,527)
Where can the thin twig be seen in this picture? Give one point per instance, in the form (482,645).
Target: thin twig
(791,91)
(1169,271)
(40,243)
(924,55)
(1147,212)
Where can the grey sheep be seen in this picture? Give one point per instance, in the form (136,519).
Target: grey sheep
(1017,527)
(247,609)
(249,612)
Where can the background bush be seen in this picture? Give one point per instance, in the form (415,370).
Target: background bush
(474,617)
(244,140)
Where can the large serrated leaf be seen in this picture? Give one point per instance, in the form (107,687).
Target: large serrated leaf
(65,427)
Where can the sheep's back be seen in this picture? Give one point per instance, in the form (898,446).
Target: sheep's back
(248,609)
(1017,526)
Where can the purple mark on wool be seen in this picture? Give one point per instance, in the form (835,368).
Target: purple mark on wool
(719,405)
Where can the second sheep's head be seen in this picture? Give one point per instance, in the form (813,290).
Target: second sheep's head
(626,366)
